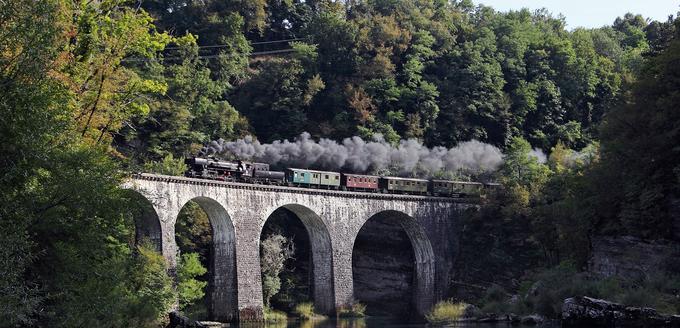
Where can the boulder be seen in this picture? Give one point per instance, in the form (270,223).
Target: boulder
(471,311)
(592,312)
(211,324)
(177,320)
(533,319)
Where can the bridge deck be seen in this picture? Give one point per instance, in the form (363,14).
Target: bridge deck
(287,189)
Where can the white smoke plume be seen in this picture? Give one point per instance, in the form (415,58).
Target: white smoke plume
(539,154)
(357,155)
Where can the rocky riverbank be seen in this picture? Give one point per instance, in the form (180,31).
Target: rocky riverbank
(592,312)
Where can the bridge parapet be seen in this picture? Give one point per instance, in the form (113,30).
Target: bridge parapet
(310,191)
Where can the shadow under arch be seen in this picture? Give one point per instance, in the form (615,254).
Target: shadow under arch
(147,222)
(322,255)
(222,285)
(422,298)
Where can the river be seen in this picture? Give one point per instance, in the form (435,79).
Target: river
(380,322)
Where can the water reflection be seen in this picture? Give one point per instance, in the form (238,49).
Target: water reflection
(375,322)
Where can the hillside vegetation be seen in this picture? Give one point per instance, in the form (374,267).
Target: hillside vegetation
(90,90)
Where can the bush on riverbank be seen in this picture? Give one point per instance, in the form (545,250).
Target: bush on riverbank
(446,312)
(306,311)
(356,310)
(274,316)
(546,293)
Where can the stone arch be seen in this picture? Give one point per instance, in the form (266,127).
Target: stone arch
(423,257)
(222,284)
(147,222)
(322,255)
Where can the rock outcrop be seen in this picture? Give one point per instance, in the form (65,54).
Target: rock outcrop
(591,312)
(631,258)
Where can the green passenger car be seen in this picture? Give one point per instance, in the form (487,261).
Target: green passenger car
(403,185)
(459,188)
(329,179)
(311,178)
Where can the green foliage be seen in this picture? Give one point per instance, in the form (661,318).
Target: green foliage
(169,166)
(85,84)
(66,226)
(192,111)
(152,286)
(274,316)
(639,159)
(275,250)
(522,169)
(446,312)
(189,289)
(193,232)
(551,286)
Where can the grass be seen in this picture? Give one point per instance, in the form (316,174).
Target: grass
(446,312)
(356,310)
(274,316)
(305,311)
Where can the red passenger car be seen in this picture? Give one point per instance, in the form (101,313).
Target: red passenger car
(360,182)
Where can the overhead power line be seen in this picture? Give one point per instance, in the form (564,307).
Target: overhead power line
(252,54)
(229,45)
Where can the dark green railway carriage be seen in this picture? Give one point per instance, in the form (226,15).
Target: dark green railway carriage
(456,188)
(403,185)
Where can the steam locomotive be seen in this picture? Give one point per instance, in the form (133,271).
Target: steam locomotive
(260,173)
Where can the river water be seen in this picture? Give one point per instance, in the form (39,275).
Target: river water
(379,322)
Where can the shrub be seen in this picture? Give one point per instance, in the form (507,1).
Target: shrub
(275,250)
(306,311)
(274,316)
(446,312)
(356,310)
(188,288)
(169,166)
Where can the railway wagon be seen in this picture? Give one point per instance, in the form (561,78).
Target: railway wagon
(359,182)
(456,188)
(492,189)
(311,178)
(403,185)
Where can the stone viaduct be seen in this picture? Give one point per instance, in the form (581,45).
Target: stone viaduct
(333,219)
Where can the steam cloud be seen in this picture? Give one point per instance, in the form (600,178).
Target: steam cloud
(357,155)
(539,154)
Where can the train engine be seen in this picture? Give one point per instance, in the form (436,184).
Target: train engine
(238,171)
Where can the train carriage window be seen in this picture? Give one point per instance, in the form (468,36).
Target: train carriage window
(326,176)
(337,177)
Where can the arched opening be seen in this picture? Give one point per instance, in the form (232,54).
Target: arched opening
(147,223)
(307,274)
(393,267)
(205,238)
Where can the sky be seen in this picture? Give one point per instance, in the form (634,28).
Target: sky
(592,13)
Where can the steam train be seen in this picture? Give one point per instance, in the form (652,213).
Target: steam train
(260,173)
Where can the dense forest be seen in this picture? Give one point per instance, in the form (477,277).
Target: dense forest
(93,90)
